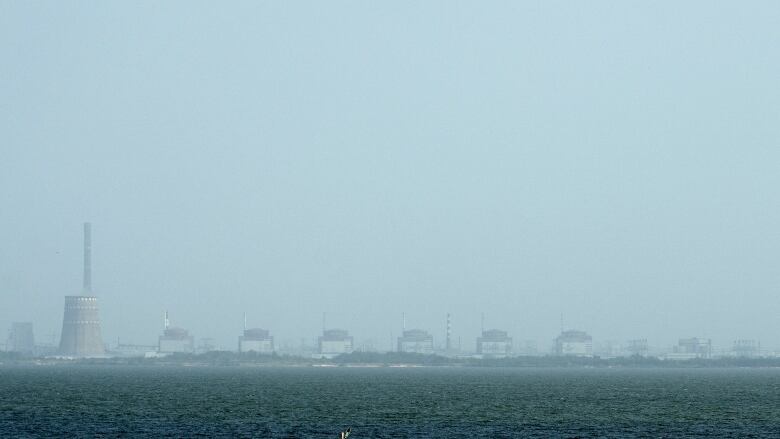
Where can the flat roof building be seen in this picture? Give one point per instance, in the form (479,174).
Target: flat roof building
(256,340)
(494,343)
(416,341)
(175,340)
(20,338)
(334,342)
(575,343)
(691,348)
(746,348)
(638,347)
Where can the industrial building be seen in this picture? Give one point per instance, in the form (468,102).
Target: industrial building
(133,350)
(256,340)
(494,343)
(575,343)
(690,348)
(746,348)
(415,341)
(175,340)
(81,334)
(638,347)
(333,342)
(20,338)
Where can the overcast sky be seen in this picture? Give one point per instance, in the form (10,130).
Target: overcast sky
(614,162)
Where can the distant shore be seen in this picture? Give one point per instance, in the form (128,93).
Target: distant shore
(389,359)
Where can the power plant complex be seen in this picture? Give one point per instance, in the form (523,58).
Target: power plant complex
(81,337)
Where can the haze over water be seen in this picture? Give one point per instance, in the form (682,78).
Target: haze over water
(614,162)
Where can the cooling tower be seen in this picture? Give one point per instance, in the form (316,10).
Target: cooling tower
(81,321)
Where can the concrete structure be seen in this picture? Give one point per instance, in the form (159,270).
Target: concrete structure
(20,338)
(746,348)
(133,350)
(526,347)
(415,341)
(256,340)
(81,334)
(690,348)
(175,340)
(448,344)
(333,342)
(494,343)
(638,347)
(206,344)
(575,343)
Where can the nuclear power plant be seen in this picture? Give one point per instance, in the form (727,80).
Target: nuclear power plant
(81,335)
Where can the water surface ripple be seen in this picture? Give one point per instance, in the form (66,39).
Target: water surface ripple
(387,402)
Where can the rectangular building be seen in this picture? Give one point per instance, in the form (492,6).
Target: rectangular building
(176,340)
(256,340)
(334,342)
(638,347)
(575,343)
(689,348)
(21,339)
(416,341)
(494,343)
(746,348)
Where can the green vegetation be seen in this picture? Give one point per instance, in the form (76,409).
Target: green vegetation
(227,358)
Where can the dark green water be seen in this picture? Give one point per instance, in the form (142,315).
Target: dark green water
(387,402)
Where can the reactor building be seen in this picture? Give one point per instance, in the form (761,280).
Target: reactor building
(333,342)
(175,340)
(574,343)
(81,335)
(20,338)
(494,343)
(690,348)
(638,347)
(746,348)
(415,341)
(256,340)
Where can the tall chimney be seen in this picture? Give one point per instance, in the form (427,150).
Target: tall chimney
(449,333)
(87,258)
(81,335)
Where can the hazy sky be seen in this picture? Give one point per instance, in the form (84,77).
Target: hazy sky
(616,162)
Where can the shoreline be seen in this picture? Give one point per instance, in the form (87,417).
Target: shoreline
(393,361)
